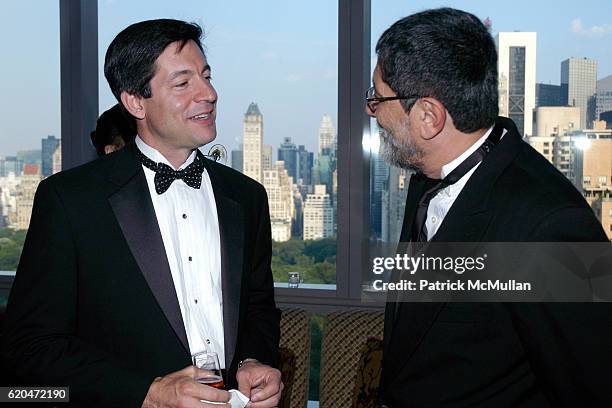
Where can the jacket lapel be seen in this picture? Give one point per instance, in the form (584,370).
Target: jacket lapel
(131,203)
(231,232)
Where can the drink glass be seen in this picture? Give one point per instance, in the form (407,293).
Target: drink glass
(209,361)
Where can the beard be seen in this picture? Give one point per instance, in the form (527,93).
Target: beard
(400,151)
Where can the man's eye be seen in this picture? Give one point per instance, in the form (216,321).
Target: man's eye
(208,77)
(181,85)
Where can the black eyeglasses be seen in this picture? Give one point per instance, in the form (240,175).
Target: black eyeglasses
(372,101)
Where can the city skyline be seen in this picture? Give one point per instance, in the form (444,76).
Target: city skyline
(286,85)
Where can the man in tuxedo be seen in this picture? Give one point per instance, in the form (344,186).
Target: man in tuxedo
(435,97)
(138,260)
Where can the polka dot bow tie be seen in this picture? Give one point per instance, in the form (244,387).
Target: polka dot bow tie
(165,175)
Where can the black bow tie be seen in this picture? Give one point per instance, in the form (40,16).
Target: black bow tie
(165,175)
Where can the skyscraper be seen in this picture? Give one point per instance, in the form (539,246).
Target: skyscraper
(57,160)
(305,163)
(380,176)
(48,147)
(288,153)
(279,187)
(604,96)
(26,189)
(318,214)
(266,157)
(238,159)
(253,143)
(579,86)
(548,95)
(517,78)
(327,134)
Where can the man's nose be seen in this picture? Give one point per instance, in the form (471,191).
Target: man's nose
(205,92)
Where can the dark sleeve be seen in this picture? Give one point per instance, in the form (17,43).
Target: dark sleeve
(260,334)
(40,340)
(569,345)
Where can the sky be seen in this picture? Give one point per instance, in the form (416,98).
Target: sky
(280,54)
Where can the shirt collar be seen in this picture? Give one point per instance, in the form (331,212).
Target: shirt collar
(447,168)
(157,157)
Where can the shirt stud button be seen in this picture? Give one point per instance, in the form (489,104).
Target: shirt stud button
(184,216)
(190,259)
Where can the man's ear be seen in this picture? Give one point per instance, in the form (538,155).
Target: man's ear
(432,117)
(133,104)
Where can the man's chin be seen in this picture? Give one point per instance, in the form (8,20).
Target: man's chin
(395,157)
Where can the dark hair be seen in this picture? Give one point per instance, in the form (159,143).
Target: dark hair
(130,59)
(112,124)
(446,54)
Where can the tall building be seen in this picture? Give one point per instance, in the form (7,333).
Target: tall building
(305,164)
(604,97)
(253,143)
(579,86)
(592,171)
(28,183)
(394,204)
(48,147)
(279,187)
(548,95)
(556,120)
(238,159)
(288,153)
(327,134)
(323,168)
(266,157)
(11,165)
(57,160)
(8,199)
(517,78)
(380,175)
(318,214)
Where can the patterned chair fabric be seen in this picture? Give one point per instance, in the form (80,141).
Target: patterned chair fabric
(295,340)
(345,336)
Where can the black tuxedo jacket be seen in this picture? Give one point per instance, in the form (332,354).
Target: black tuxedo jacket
(93,305)
(494,354)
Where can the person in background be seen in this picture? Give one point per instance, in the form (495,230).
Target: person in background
(114,130)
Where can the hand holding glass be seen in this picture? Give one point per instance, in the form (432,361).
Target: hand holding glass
(209,361)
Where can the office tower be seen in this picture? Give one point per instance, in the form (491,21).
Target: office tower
(380,174)
(607,117)
(297,226)
(28,182)
(29,157)
(8,199)
(10,165)
(237,159)
(393,204)
(279,187)
(556,120)
(57,160)
(327,134)
(48,147)
(579,86)
(592,171)
(517,78)
(288,153)
(305,164)
(318,214)
(266,157)
(324,166)
(548,95)
(253,143)
(604,97)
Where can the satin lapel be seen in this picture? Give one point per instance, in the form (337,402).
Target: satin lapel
(133,208)
(231,232)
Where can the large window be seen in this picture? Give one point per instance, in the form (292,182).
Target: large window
(29,117)
(574,30)
(277,83)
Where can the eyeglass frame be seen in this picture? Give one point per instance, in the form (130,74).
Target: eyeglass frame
(373,101)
